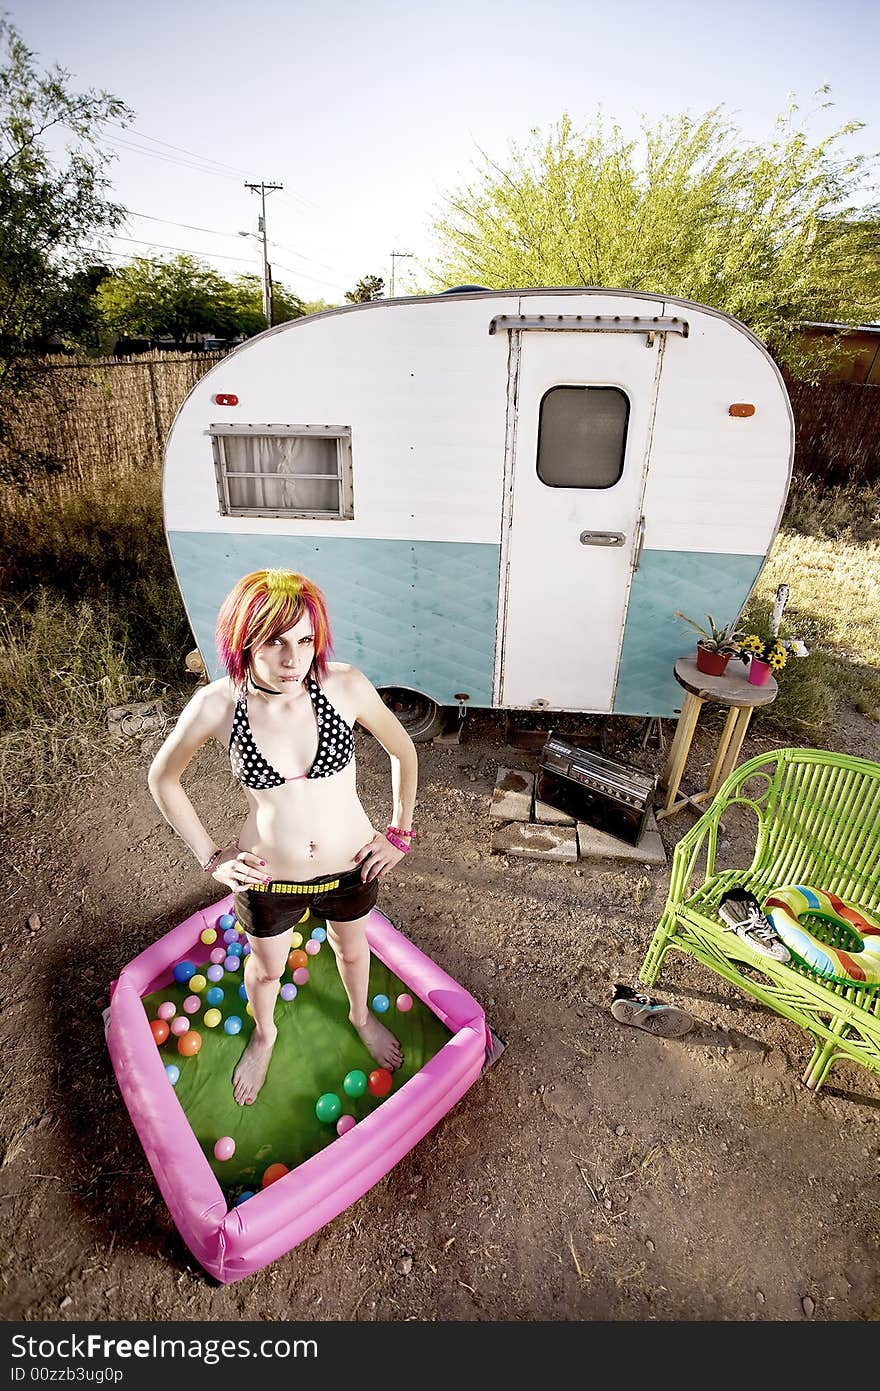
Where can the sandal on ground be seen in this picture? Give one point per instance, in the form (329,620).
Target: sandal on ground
(655,1017)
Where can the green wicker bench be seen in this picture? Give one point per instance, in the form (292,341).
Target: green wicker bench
(818,823)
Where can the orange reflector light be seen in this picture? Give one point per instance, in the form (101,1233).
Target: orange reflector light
(224,398)
(741,408)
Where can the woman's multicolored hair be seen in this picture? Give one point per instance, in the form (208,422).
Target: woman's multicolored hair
(262,605)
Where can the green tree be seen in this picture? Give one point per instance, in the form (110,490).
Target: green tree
(178,297)
(371,287)
(49,207)
(768,232)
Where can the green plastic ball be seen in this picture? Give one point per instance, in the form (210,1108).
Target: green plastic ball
(328,1108)
(355,1083)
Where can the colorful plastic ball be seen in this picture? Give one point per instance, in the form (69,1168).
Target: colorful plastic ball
(328,1108)
(249,1009)
(232,1025)
(306,915)
(246,949)
(172,1072)
(380,1003)
(404,1003)
(218,956)
(167,1009)
(189,1044)
(242,990)
(243,1197)
(225,921)
(230,935)
(296,940)
(355,1083)
(159,1030)
(297,958)
(380,1081)
(313,947)
(236,949)
(211,1018)
(344,1124)
(197,983)
(319,934)
(215,972)
(232,963)
(300,976)
(179,1025)
(224,1148)
(288,991)
(214,996)
(183,972)
(209,936)
(274,1173)
(192,1004)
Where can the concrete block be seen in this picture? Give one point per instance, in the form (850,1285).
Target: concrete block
(599,845)
(546,815)
(537,842)
(512,797)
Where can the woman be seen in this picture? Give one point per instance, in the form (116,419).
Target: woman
(286,714)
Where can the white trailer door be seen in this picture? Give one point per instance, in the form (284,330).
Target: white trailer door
(584,411)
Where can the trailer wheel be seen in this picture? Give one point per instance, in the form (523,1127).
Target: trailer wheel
(421,717)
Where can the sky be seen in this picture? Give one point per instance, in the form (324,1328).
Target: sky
(369,113)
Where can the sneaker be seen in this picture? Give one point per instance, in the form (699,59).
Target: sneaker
(742,913)
(666,1021)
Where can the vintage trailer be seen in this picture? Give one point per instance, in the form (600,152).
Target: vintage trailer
(505,496)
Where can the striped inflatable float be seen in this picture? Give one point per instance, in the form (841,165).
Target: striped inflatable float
(787,908)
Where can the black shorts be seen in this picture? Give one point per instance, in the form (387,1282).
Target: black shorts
(269,910)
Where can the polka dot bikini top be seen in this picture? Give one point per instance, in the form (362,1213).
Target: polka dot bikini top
(335,744)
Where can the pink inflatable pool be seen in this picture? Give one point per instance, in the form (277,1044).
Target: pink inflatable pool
(232,1242)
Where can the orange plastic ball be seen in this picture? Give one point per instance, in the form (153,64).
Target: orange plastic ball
(296,959)
(189,1043)
(273,1173)
(159,1030)
(380,1081)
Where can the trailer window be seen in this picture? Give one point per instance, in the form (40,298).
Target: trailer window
(283,471)
(582,436)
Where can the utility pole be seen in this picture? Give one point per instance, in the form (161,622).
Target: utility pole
(399,256)
(264,188)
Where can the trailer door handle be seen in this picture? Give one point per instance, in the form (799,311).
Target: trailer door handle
(602,538)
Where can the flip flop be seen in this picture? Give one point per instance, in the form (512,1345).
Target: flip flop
(664,1021)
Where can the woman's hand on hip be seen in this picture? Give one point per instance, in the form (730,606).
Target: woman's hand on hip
(240,869)
(377,857)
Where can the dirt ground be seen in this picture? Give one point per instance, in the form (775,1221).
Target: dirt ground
(594,1172)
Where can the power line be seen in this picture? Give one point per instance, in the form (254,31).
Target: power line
(205,159)
(169,159)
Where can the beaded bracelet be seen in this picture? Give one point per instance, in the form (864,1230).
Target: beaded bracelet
(399,832)
(212,862)
(400,845)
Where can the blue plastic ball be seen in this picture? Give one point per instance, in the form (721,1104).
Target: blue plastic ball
(214,995)
(232,963)
(236,949)
(242,990)
(380,1003)
(226,920)
(243,1197)
(172,1072)
(319,934)
(232,1025)
(184,971)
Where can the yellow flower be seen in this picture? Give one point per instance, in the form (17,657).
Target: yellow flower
(753,643)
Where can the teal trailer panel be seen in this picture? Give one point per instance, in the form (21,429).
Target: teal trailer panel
(694,582)
(419,614)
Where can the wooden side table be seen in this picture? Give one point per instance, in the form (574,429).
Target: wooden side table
(732,689)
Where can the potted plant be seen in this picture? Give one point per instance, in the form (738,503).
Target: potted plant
(715,646)
(769,654)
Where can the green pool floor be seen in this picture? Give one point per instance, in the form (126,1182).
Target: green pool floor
(316,1047)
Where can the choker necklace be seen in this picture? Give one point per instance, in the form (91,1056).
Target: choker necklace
(265,689)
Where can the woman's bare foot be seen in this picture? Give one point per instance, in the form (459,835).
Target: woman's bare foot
(250,1074)
(380,1043)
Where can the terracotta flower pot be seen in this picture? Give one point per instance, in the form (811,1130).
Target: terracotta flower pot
(759,672)
(711,663)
